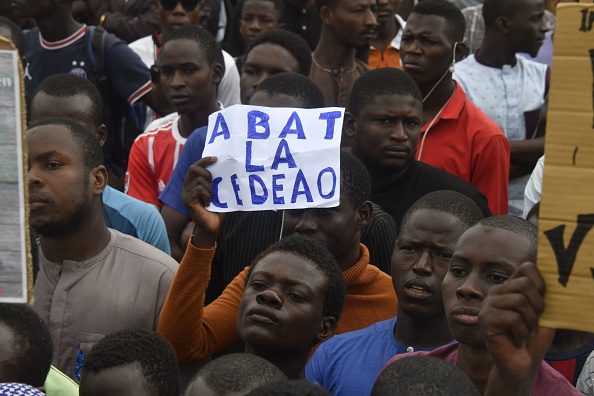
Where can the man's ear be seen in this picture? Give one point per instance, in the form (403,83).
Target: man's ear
(101,134)
(217,73)
(364,214)
(325,15)
(327,326)
(99,179)
(461,51)
(350,125)
(502,24)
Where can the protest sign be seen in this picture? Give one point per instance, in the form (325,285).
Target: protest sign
(16,275)
(274,158)
(566,240)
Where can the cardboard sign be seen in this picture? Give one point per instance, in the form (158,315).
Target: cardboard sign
(566,239)
(274,158)
(16,275)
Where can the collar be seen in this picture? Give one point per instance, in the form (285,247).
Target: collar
(73,265)
(401,25)
(453,109)
(361,275)
(54,45)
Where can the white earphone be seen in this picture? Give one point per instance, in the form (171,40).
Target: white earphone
(452,69)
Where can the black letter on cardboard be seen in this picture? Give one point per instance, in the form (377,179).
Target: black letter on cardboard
(566,257)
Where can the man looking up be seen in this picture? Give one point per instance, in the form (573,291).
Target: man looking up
(384,120)
(346,26)
(92,280)
(189,73)
(511,89)
(456,136)
(76,98)
(197,331)
(349,363)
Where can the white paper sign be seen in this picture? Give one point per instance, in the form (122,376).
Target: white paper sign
(274,158)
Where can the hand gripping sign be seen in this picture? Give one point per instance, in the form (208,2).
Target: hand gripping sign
(274,158)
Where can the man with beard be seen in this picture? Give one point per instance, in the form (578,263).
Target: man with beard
(93,280)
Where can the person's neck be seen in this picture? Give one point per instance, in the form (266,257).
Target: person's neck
(57,26)
(88,240)
(189,122)
(293,366)
(331,54)
(349,259)
(494,53)
(385,35)
(568,340)
(438,98)
(422,332)
(476,363)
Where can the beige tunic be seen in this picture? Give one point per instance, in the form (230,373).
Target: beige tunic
(124,286)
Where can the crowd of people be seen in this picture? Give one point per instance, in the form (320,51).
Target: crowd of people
(421,281)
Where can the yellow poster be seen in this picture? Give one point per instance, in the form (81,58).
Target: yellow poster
(566,234)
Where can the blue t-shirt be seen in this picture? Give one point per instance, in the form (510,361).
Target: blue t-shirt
(136,218)
(191,152)
(349,363)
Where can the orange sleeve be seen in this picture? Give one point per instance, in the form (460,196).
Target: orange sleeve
(195,331)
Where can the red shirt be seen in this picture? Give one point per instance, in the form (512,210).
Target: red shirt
(465,142)
(152,159)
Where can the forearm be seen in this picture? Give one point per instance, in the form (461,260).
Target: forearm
(500,384)
(526,152)
(132,27)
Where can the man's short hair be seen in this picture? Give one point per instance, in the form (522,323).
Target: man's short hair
(295,85)
(316,253)
(447,10)
(450,202)
(518,226)
(153,352)
(289,388)
(66,85)
(87,141)
(238,372)
(355,179)
(290,41)
(279,6)
(379,82)
(18,37)
(423,376)
(32,341)
(207,43)
(493,9)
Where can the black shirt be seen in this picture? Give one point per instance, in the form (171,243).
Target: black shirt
(303,21)
(419,180)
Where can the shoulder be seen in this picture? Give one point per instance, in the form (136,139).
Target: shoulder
(479,124)
(131,208)
(550,382)
(378,333)
(142,254)
(160,124)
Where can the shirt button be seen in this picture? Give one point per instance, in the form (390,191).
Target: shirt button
(303,27)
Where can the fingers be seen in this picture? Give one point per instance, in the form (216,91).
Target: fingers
(515,306)
(198,183)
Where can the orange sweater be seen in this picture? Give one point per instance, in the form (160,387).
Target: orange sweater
(197,332)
